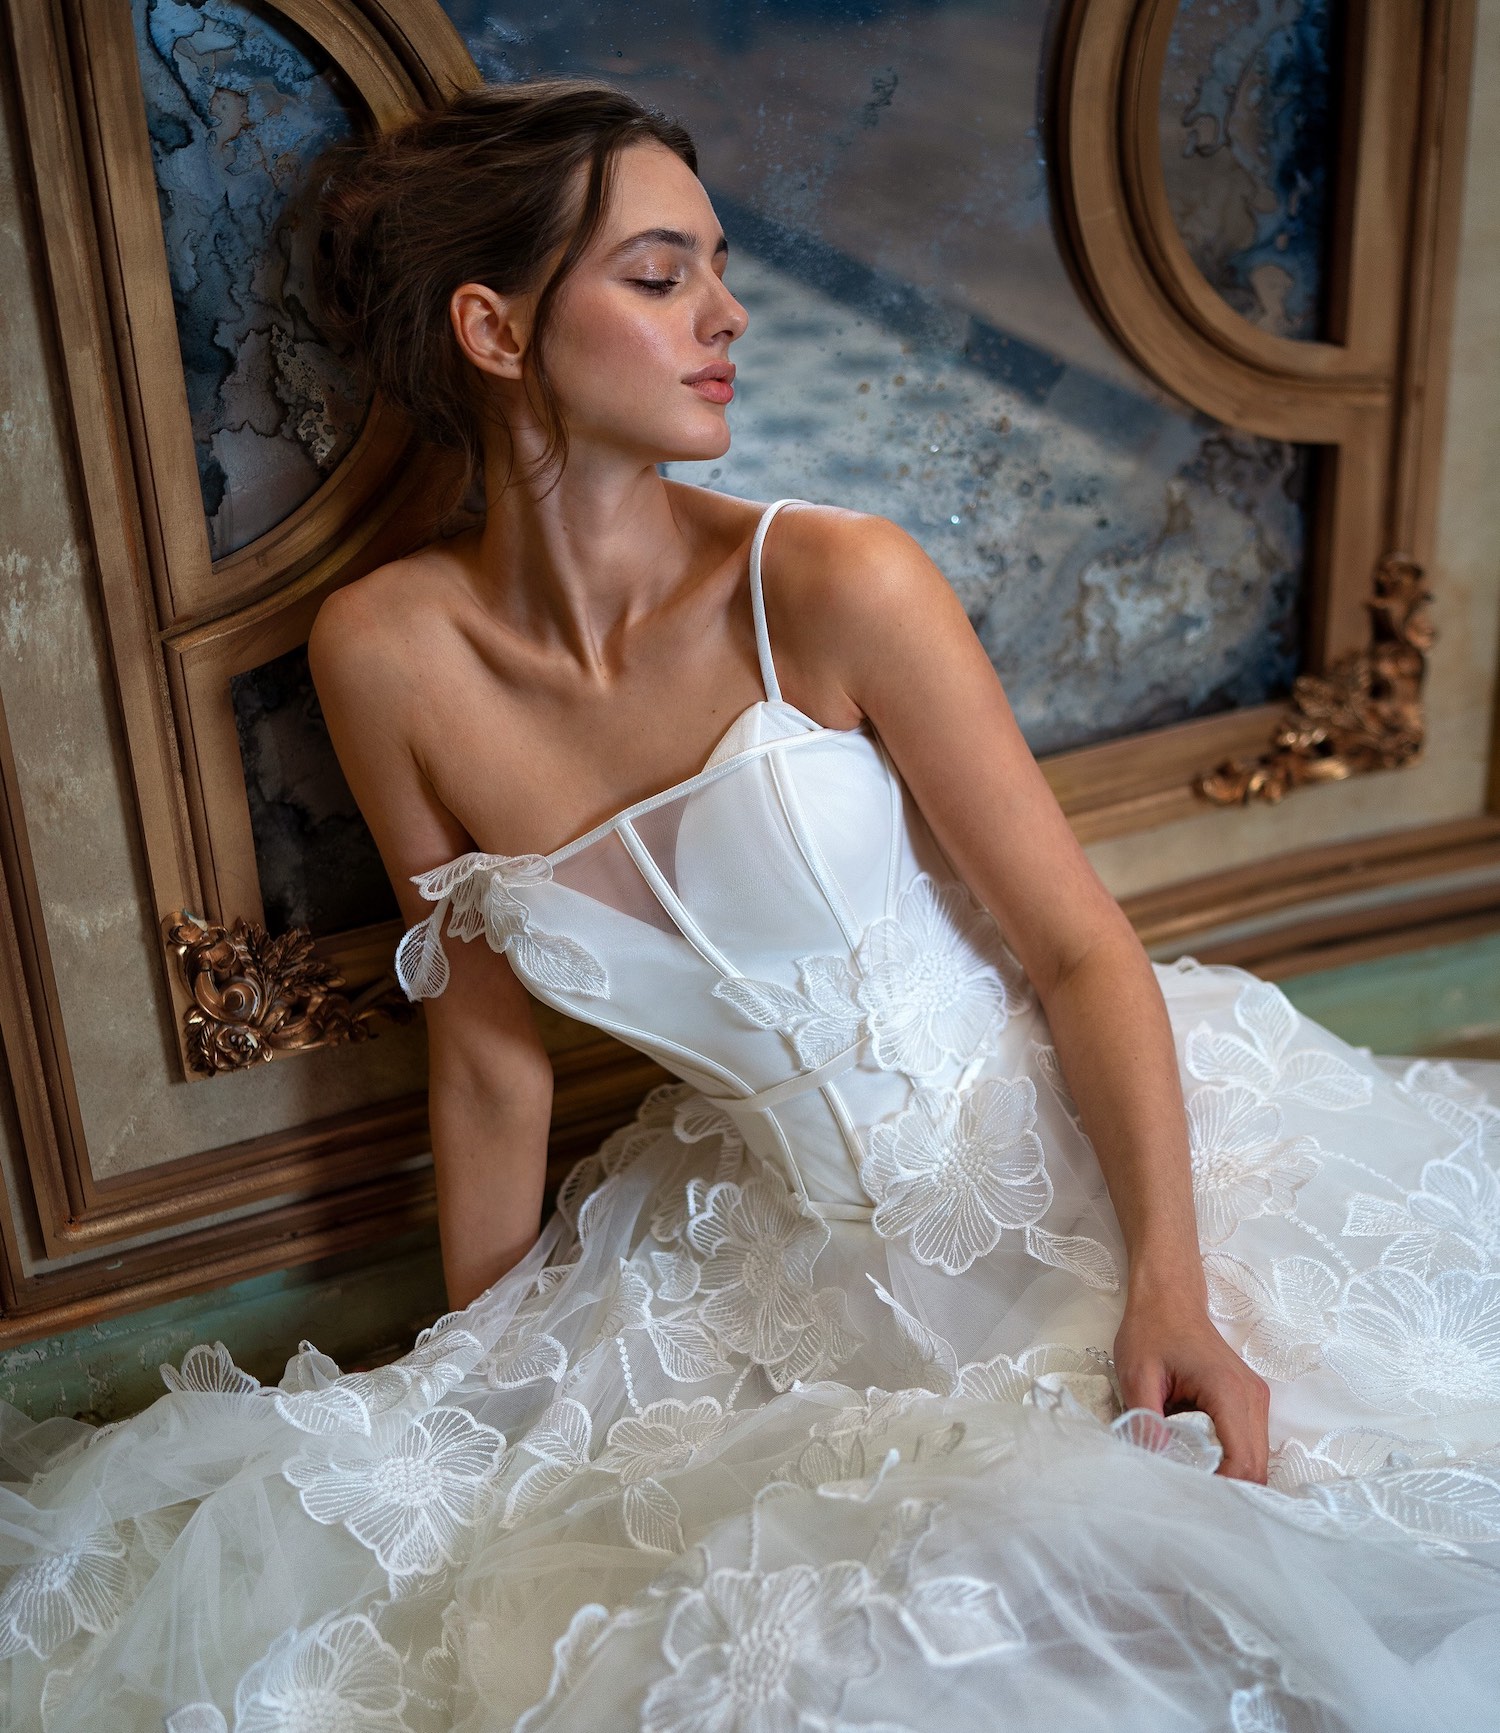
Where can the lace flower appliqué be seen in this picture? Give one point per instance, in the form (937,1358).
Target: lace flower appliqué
(763,1650)
(478,894)
(1242,1166)
(926,983)
(80,1588)
(1434,1347)
(414,1503)
(1261,1058)
(960,1167)
(339,1673)
(757,1251)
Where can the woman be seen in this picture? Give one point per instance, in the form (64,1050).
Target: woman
(918,1360)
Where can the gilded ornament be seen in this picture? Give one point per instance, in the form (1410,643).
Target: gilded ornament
(1364,714)
(255,996)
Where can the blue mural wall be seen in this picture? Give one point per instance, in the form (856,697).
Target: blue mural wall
(1248,141)
(238,103)
(917,349)
(916,345)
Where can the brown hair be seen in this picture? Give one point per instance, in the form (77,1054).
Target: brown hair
(480,190)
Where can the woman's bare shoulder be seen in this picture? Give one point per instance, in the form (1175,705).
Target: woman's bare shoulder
(371,632)
(843,587)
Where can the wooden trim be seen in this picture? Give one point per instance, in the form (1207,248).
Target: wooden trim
(596,1085)
(101,441)
(348,1184)
(1147,780)
(1333,886)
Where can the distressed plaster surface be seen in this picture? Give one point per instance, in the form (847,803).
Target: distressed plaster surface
(1248,137)
(239,103)
(1449,782)
(56,685)
(917,348)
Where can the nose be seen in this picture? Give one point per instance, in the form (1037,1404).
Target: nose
(725,317)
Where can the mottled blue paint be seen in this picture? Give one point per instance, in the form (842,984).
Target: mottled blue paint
(316,860)
(1248,130)
(239,103)
(917,348)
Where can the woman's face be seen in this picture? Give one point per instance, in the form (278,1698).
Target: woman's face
(638,343)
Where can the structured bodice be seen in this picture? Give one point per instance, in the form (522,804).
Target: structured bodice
(780,930)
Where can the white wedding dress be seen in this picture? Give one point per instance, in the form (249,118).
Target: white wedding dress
(800,1415)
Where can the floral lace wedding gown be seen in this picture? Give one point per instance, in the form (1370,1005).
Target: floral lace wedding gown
(800,1415)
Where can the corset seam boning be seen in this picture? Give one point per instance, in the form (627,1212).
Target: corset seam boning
(796,820)
(657,883)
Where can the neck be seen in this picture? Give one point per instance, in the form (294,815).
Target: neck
(577,562)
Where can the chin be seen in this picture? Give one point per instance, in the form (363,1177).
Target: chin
(694,445)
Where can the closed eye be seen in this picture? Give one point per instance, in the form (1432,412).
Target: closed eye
(657,285)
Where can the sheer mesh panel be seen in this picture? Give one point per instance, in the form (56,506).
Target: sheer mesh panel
(739,871)
(605,873)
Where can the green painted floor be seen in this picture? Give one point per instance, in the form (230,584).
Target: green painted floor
(1443,1001)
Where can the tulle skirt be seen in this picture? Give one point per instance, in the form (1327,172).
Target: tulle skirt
(702,1463)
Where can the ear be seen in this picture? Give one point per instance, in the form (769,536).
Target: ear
(492,330)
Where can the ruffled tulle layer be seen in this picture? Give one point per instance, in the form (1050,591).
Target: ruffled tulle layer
(704,1462)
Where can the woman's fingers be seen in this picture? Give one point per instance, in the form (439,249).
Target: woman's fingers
(1238,1410)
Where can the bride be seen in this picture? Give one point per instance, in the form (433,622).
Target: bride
(990,1328)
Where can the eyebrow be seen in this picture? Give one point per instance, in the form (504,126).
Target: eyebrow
(668,238)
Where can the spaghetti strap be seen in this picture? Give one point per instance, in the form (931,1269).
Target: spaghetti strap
(758,601)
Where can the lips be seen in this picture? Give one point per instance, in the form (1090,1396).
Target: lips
(714,383)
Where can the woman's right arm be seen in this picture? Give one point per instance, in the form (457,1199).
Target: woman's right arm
(489,1077)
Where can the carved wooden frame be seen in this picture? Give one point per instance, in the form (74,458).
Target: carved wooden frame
(1368,396)
(1363,398)
(74,1247)
(175,641)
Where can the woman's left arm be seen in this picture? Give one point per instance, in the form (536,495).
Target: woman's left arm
(904,653)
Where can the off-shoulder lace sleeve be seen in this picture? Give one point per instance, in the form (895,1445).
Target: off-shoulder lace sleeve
(478,893)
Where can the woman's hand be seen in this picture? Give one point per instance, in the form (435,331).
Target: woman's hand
(1169,1357)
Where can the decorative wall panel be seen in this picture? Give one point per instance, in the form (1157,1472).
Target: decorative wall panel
(1249,151)
(239,102)
(917,349)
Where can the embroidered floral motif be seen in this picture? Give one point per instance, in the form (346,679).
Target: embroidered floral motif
(1402,1343)
(930,981)
(1451,1221)
(477,894)
(955,1170)
(752,1651)
(560,1442)
(414,1503)
(1347,1452)
(1290,1310)
(316,1397)
(1259,1059)
(661,1437)
(337,1676)
(210,1370)
(1242,1166)
(81,1588)
(927,985)
(639,1447)
(1457,1105)
(757,1252)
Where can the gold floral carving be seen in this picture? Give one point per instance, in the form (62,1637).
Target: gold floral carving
(255,996)
(1365,713)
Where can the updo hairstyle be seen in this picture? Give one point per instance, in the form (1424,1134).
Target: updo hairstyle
(484,190)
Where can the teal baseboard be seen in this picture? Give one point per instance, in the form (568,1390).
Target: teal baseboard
(1441,1002)
(360,1310)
